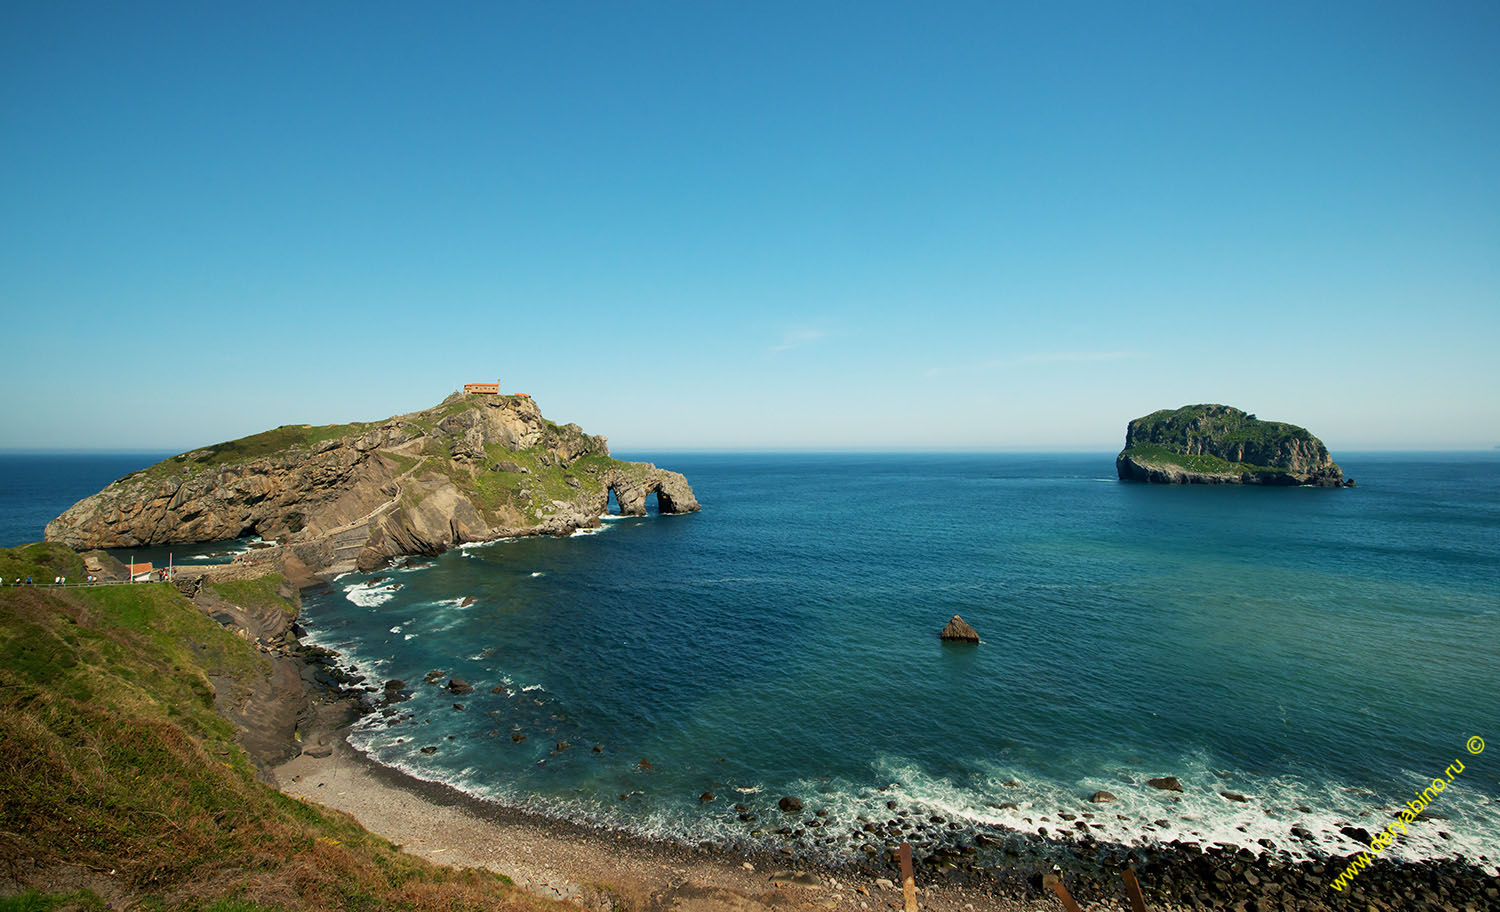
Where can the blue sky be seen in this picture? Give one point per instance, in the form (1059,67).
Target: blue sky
(767,225)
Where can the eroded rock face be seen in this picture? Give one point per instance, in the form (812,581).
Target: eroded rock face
(1218,444)
(632,485)
(354,496)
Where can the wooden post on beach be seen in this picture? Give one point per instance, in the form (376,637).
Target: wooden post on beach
(1052,880)
(908,879)
(1133,887)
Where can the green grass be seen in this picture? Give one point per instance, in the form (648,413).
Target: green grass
(41,561)
(112,758)
(262,592)
(245,449)
(1211,465)
(37,901)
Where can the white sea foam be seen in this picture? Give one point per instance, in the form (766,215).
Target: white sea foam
(396,629)
(537,573)
(533,687)
(365,596)
(410,636)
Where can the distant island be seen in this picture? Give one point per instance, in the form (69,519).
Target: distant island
(1219,444)
(478,466)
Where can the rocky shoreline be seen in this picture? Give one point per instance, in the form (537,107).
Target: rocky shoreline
(958,865)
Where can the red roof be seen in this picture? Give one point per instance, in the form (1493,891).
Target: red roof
(139,568)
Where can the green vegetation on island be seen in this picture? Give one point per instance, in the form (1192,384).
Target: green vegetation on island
(1219,444)
(474,467)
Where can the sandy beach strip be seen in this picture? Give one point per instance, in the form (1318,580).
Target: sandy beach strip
(595,868)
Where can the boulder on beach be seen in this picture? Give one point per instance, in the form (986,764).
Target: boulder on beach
(958,631)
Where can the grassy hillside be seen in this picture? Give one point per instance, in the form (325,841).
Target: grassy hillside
(1152,454)
(119,783)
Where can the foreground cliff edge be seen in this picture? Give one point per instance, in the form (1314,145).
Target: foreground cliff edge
(352,496)
(1218,444)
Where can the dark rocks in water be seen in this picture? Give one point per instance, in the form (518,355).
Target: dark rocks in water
(467,601)
(395,685)
(706,797)
(561,746)
(959,632)
(460,686)
(1234,796)
(598,748)
(644,766)
(498,689)
(1165,783)
(517,737)
(1100,797)
(429,750)
(790,805)
(432,676)
(458,706)
(1358,834)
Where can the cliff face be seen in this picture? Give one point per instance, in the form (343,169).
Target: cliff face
(342,497)
(1217,444)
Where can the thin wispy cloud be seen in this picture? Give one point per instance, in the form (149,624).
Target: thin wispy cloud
(1080,356)
(798,337)
(1075,357)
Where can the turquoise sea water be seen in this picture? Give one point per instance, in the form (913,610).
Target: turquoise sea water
(1331,650)
(1323,649)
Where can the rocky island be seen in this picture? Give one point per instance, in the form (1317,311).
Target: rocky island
(475,467)
(1219,444)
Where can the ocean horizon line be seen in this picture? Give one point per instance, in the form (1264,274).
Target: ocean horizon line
(808,451)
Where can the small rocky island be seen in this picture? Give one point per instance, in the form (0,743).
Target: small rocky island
(476,467)
(1218,444)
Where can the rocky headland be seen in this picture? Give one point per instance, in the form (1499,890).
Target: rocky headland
(1219,444)
(351,497)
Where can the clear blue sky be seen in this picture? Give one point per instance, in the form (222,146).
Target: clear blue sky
(752,225)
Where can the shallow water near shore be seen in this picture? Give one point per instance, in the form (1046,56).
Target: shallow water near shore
(1305,648)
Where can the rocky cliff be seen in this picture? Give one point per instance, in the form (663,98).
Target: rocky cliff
(343,497)
(1217,444)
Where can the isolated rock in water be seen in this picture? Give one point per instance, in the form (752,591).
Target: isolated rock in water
(960,632)
(460,686)
(790,805)
(1165,783)
(1218,444)
(1101,797)
(1234,796)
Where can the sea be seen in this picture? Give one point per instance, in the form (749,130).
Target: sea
(1322,654)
